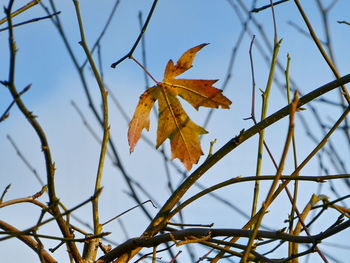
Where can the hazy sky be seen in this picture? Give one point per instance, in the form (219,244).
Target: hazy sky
(176,26)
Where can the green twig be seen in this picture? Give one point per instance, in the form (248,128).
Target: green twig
(106,128)
(321,49)
(265,97)
(236,180)
(329,45)
(19,11)
(268,199)
(296,182)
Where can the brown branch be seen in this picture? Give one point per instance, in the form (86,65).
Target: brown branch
(41,223)
(140,242)
(33,233)
(29,199)
(50,166)
(28,241)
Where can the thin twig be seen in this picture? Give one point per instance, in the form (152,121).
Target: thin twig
(26,162)
(320,48)
(7,111)
(316,179)
(332,152)
(32,21)
(302,31)
(257,10)
(343,22)
(80,240)
(143,30)
(265,98)
(296,183)
(29,199)
(4,193)
(132,208)
(19,11)
(67,212)
(104,30)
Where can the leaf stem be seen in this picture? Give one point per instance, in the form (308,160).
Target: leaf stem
(144,69)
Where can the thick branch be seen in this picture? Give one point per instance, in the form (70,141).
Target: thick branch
(192,233)
(28,241)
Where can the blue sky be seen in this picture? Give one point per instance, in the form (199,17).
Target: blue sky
(175,27)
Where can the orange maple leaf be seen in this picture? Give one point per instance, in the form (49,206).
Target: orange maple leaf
(173,122)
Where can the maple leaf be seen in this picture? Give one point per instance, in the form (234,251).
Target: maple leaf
(173,122)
